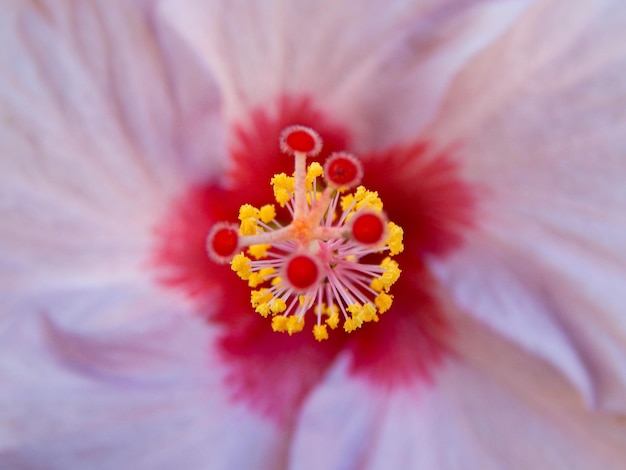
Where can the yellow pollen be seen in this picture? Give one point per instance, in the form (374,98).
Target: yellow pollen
(248,216)
(279,324)
(248,211)
(350,325)
(278,306)
(333,320)
(283,186)
(263,309)
(259,251)
(346,201)
(241,265)
(255,279)
(368,313)
(267,213)
(319,227)
(294,324)
(248,226)
(383,302)
(315,170)
(391,273)
(320,332)
(395,239)
(260,296)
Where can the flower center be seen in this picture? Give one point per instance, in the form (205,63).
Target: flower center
(333,258)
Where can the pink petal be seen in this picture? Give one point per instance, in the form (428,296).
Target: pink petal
(498,286)
(147,394)
(547,140)
(104,117)
(493,408)
(382,69)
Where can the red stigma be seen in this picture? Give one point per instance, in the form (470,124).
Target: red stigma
(223,242)
(368,228)
(300,139)
(302,272)
(342,169)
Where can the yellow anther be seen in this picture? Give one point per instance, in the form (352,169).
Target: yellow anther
(318,229)
(267,213)
(263,309)
(357,315)
(282,196)
(294,324)
(354,309)
(260,276)
(255,279)
(241,265)
(248,226)
(248,211)
(346,201)
(266,272)
(278,306)
(350,325)
(320,332)
(259,296)
(259,251)
(395,238)
(361,199)
(331,310)
(283,188)
(373,203)
(367,199)
(368,313)
(383,302)
(279,324)
(391,274)
(333,320)
(315,170)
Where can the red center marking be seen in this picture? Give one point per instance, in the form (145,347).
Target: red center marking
(368,228)
(225,242)
(301,141)
(302,272)
(342,171)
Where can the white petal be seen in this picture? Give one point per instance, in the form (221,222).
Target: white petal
(104,117)
(499,287)
(491,408)
(380,68)
(547,141)
(147,395)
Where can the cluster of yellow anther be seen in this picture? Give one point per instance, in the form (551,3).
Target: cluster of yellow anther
(361,199)
(319,262)
(250,216)
(266,303)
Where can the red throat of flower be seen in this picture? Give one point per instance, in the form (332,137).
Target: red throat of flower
(319,254)
(332,259)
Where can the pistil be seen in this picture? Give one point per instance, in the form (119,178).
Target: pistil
(321,261)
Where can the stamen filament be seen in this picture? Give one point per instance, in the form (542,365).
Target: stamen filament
(314,263)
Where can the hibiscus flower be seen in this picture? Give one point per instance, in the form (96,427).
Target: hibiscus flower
(492,133)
